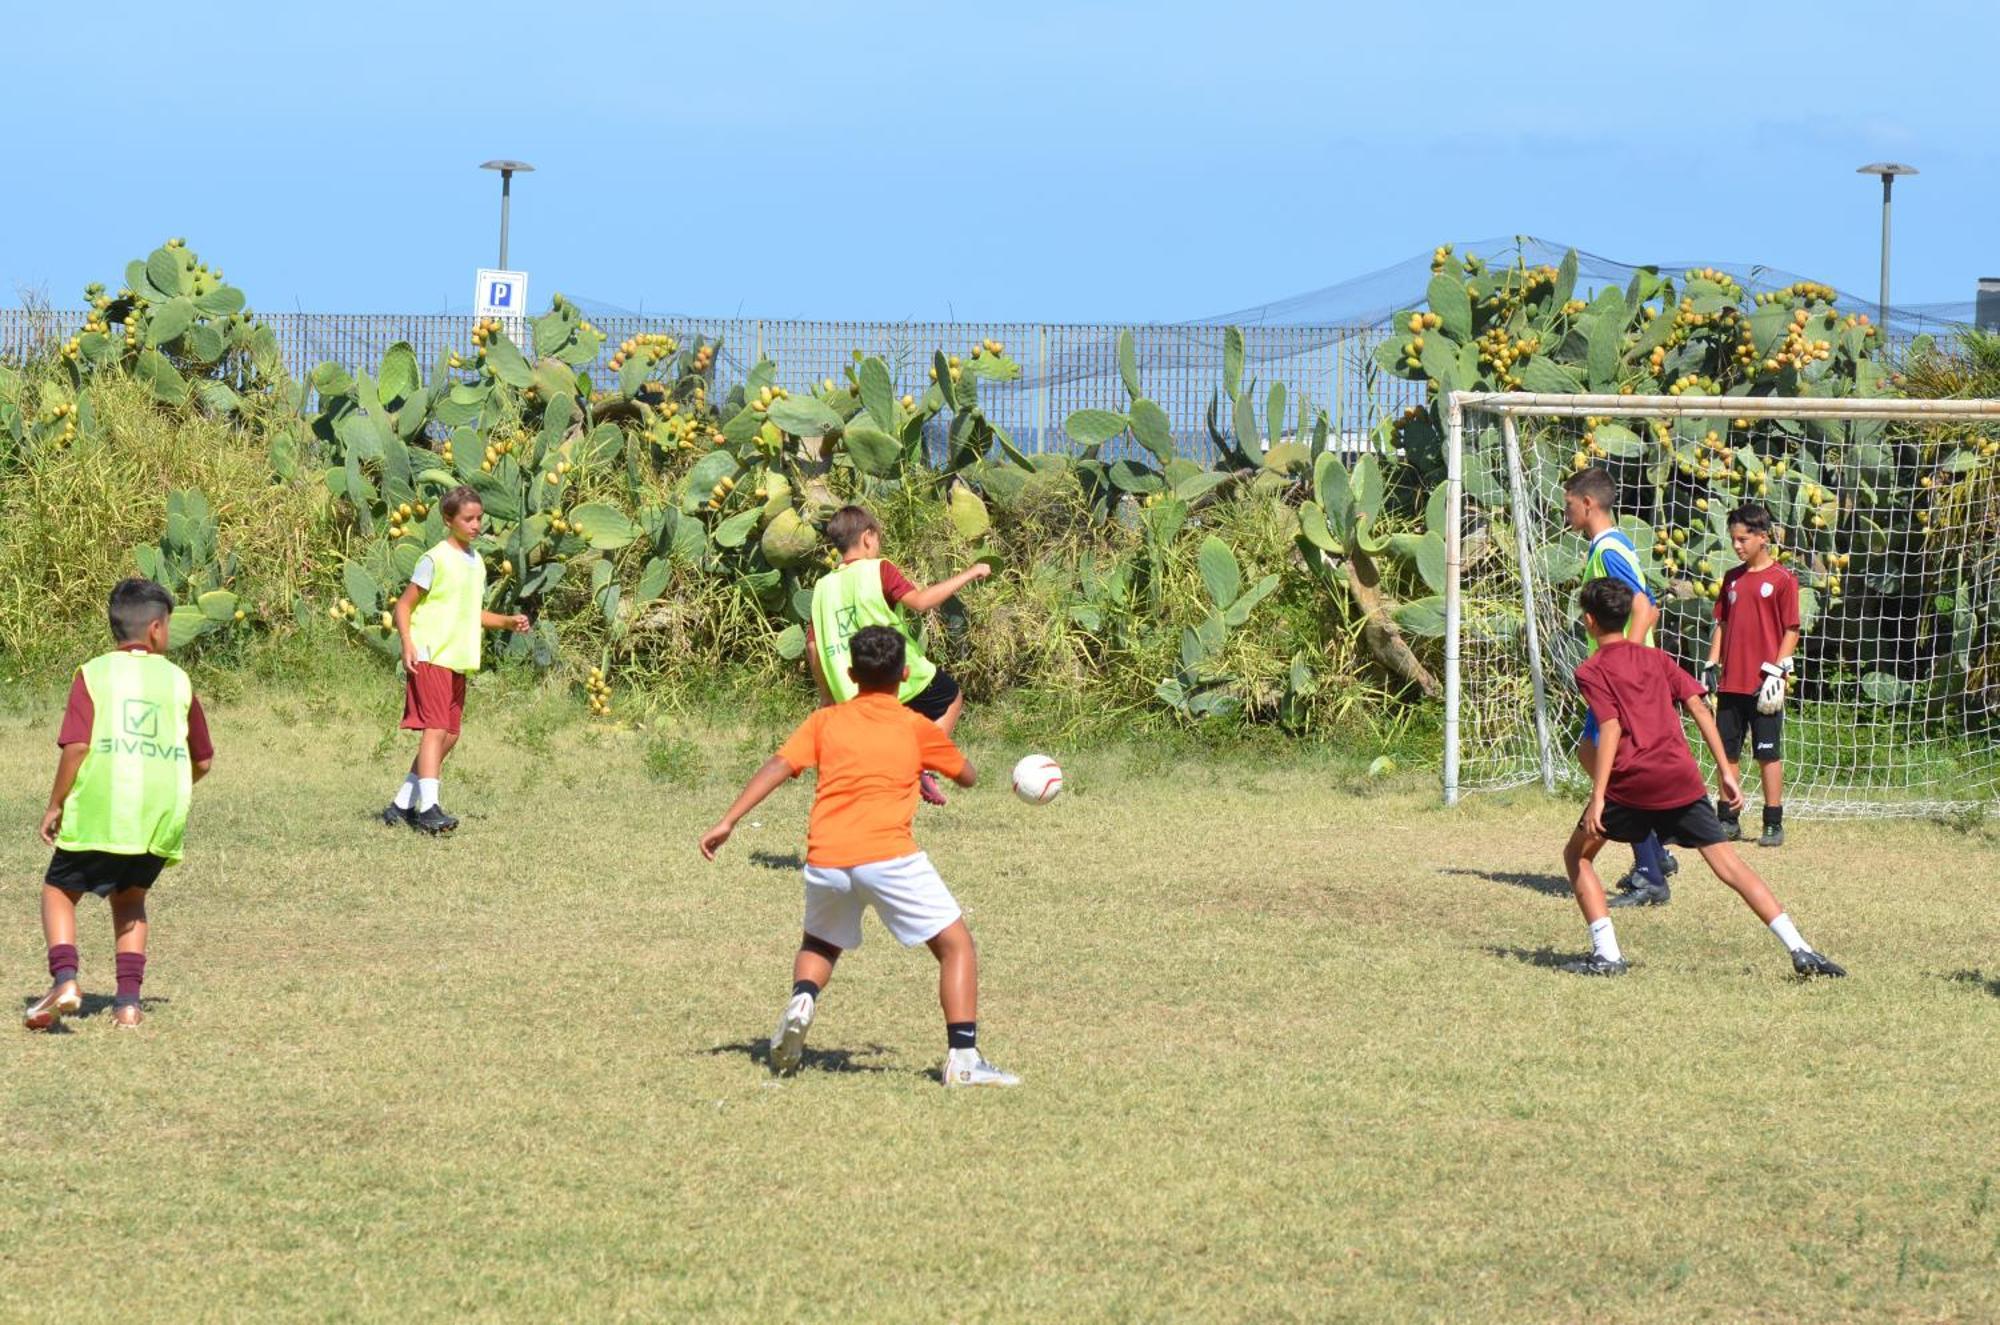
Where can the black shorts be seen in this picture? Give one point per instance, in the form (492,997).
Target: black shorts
(1692,825)
(1734,714)
(934,699)
(101,872)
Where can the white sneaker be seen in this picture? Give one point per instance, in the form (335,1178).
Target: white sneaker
(788,1042)
(965,1067)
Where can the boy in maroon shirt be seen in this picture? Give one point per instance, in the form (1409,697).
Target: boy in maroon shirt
(1756,631)
(1646,780)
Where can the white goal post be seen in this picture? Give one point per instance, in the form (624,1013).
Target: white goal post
(1887,512)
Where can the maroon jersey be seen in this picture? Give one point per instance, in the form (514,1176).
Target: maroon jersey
(1639,687)
(1756,608)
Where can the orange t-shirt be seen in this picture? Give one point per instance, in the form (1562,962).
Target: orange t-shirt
(869,753)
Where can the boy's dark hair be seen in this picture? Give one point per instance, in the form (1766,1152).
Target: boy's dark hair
(1753,517)
(1596,484)
(877,658)
(847,526)
(457,499)
(135,605)
(1608,601)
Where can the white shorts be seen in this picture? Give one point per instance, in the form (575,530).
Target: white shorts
(906,892)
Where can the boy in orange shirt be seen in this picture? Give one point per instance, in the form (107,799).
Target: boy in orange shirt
(860,852)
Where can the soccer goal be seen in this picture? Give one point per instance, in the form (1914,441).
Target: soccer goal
(1887,511)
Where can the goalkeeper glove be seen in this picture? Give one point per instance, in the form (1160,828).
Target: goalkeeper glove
(1771,695)
(1708,675)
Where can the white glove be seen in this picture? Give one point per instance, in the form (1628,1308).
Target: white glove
(1771,695)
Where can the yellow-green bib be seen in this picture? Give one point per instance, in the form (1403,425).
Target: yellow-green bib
(847,600)
(132,793)
(445,622)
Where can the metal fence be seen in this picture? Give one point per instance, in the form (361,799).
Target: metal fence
(1065,366)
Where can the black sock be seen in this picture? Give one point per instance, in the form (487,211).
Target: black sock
(1726,814)
(1774,816)
(804,987)
(962,1034)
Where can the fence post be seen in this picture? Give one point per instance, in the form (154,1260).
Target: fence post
(1042,391)
(1454,487)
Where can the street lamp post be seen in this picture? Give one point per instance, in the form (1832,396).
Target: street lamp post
(1888,170)
(507,169)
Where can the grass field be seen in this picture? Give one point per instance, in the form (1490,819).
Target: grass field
(1291,1042)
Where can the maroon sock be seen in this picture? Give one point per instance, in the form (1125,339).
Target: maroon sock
(62,961)
(131,974)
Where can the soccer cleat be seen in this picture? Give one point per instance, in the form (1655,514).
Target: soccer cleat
(396,816)
(433,821)
(1594,964)
(1774,836)
(1732,830)
(788,1042)
(965,1067)
(63,1000)
(126,1016)
(1645,893)
(927,784)
(1807,963)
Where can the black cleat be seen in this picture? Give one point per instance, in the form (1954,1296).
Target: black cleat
(1732,830)
(395,816)
(1594,965)
(1808,964)
(1646,893)
(1774,836)
(434,821)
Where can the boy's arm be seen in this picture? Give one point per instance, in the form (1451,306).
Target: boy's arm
(1644,615)
(1788,645)
(1704,721)
(967,776)
(404,606)
(1608,732)
(927,596)
(66,766)
(518,622)
(774,774)
(819,672)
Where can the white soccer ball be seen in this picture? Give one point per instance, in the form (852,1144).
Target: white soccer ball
(1037,779)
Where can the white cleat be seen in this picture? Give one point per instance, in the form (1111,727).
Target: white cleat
(788,1042)
(964,1067)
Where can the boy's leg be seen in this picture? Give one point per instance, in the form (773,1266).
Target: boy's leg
(958,997)
(942,702)
(128,919)
(1772,774)
(1647,883)
(1732,870)
(1580,863)
(958,982)
(59,932)
(432,748)
(949,719)
(811,969)
(1732,820)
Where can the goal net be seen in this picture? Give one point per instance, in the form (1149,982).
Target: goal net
(1887,512)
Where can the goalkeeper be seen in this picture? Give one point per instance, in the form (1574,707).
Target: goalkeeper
(1590,505)
(1756,632)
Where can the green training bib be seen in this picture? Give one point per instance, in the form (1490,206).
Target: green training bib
(847,600)
(132,793)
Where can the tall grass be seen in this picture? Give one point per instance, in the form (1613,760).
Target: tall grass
(72,513)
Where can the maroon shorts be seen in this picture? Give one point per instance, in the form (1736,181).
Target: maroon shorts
(433,699)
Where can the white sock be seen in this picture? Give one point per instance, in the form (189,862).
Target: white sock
(1788,934)
(407,793)
(1604,942)
(427,793)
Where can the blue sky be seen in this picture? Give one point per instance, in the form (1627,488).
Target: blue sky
(985,158)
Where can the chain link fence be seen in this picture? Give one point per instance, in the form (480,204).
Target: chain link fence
(1064,366)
